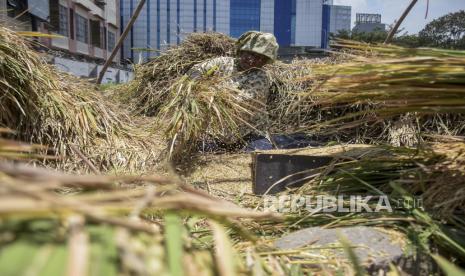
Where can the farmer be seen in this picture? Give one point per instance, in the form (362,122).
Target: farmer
(253,51)
(244,71)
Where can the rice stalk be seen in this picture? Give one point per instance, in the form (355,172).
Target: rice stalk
(204,110)
(154,79)
(399,80)
(58,110)
(37,223)
(447,267)
(435,176)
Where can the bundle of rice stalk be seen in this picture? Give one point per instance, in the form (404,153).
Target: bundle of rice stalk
(38,105)
(107,134)
(153,79)
(427,81)
(356,49)
(290,85)
(133,226)
(203,110)
(114,225)
(435,174)
(16,150)
(53,109)
(425,189)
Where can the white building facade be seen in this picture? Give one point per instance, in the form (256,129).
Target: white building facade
(335,18)
(167,22)
(339,18)
(88,31)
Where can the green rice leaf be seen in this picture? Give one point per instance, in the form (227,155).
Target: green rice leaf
(447,267)
(174,244)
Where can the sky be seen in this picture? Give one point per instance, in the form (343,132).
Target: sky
(391,10)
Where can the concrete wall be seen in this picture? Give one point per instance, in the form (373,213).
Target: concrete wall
(62,43)
(82,48)
(77,68)
(91,70)
(89,5)
(111,14)
(81,11)
(115,75)
(110,76)
(125,76)
(99,53)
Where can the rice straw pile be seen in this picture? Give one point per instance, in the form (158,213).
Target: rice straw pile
(427,81)
(54,223)
(113,225)
(202,111)
(154,79)
(190,112)
(370,94)
(293,109)
(59,111)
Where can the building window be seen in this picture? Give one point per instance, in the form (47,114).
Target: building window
(195,16)
(15,7)
(71,25)
(111,41)
(205,15)
(63,21)
(95,33)
(245,16)
(158,25)
(293,20)
(214,15)
(168,22)
(82,29)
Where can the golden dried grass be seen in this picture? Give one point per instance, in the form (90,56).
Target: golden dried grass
(57,110)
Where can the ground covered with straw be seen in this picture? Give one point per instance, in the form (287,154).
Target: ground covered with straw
(139,213)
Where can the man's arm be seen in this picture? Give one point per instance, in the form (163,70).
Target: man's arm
(207,68)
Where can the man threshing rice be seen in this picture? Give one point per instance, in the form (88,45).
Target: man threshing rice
(244,71)
(254,50)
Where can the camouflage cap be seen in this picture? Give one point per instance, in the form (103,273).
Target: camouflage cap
(260,43)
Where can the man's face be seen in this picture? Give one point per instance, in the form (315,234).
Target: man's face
(249,60)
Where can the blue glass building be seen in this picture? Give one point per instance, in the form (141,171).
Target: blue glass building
(167,22)
(244,16)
